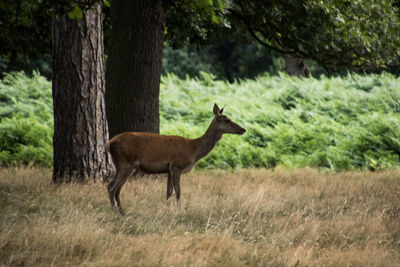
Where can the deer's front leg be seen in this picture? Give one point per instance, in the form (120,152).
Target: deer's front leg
(169,185)
(176,180)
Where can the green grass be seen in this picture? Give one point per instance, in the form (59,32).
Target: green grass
(249,217)
(348,123)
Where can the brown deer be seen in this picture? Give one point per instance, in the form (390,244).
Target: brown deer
(154,153)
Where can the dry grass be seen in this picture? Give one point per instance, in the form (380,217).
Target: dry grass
(252,217)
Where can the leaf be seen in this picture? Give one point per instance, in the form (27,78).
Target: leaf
(76,12)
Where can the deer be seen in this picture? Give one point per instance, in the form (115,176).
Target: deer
(152,153)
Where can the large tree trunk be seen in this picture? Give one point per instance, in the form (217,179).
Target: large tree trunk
(134,66)
(80,125)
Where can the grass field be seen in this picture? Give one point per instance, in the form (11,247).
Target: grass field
(250,217)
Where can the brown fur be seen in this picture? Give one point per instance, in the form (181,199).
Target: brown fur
(154,152)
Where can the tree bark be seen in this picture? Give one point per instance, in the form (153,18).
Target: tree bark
(80,124)
(296,66)
(134,66)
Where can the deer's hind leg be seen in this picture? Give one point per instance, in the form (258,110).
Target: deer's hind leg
(115,185)
(110,187)
(118,190)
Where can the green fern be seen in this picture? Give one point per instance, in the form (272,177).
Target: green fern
(337,123)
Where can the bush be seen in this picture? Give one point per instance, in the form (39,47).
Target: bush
(26,120)
(328,123)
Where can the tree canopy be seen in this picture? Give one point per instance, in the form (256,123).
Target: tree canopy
(338,34)
(25,32)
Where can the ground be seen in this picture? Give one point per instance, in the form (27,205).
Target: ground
(249,217)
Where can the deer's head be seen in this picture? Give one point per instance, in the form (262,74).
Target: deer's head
(225,124)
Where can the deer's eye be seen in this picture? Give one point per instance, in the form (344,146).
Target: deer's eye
(226,120)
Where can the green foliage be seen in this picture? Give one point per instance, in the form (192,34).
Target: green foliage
(76,12)
(25,33)
(340,35)
(329,123)
(186,61)
(226,59)
(26,120)
(193,21)
(337,34)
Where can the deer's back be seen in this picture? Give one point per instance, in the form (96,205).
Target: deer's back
(153,152)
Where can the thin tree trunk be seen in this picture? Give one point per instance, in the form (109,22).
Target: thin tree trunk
(296,66)
(80,124)
(134,66)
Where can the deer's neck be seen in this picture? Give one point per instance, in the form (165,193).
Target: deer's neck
(207,142)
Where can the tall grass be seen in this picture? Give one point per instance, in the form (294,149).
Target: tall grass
(251,217)
(334,123)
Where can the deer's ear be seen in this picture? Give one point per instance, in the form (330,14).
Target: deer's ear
(217,111)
